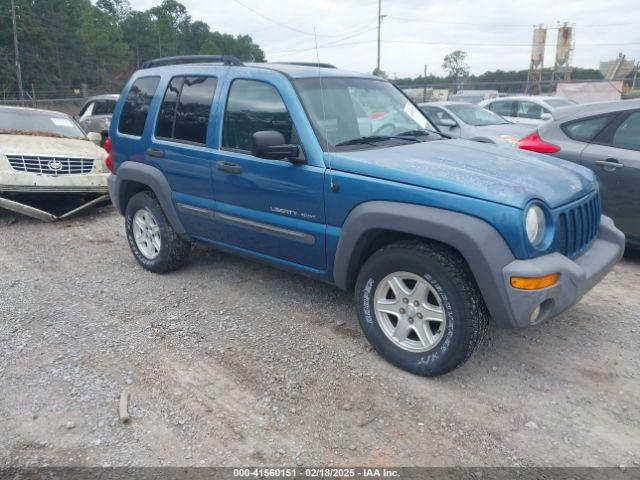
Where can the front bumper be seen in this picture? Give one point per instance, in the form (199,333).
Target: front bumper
(577,277)
(17,189)
(18,182)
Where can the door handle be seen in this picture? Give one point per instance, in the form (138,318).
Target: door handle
(229,167)
(155,152)
(609,164)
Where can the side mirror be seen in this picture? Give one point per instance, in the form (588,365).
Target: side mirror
(271,145)
(95,137)
(546,116)
(448,122)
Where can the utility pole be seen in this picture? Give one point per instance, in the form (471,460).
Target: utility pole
(380,17)
(15,47)
(424,90)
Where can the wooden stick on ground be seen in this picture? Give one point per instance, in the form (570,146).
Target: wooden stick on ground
(124,407)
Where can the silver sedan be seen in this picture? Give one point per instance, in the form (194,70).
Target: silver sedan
(604,137)
(465,120)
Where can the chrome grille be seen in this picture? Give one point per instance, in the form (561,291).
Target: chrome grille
(50,165)
(578,226)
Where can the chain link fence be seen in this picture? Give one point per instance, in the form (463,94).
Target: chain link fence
(431,92)
(63,99)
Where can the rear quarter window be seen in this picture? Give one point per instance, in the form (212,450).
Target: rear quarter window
(136,107)
(586,129)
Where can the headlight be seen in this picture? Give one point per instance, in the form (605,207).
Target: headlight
(535,224)
(513,141)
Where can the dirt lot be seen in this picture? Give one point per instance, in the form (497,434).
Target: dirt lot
(230,362)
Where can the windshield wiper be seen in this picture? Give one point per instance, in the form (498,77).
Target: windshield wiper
(423,131)
(372,139)
(416,133)
(366,139)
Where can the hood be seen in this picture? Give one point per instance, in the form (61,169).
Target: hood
(34,145)
(501,175)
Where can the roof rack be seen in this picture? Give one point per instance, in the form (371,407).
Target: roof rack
(224,59)
(308,64)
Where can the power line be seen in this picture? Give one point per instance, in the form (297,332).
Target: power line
(339,43)
(288,27)
(420,42)
(503,25)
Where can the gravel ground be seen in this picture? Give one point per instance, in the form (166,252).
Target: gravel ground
(230,362)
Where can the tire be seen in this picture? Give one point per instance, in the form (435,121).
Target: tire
(448,294)
(173,251)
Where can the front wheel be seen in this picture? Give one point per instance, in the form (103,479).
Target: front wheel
(419,307)
(153,241)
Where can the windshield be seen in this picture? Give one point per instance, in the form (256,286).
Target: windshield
(34,122)
(476,116)
(559,102)
(344,109)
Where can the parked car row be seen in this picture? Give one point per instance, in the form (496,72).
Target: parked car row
(530,110)
(465,120)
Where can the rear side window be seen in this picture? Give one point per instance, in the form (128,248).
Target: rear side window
(628,133)
(167,115)
(136,106)
(184,114)
(252,107)
(585,130)
(504,108)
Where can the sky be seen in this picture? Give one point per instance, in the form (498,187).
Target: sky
(496,34)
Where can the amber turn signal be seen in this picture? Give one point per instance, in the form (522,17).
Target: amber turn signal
(535,283)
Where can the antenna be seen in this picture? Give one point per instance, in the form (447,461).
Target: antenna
(333,185)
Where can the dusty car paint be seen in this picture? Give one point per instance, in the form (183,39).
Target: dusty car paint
(15,183)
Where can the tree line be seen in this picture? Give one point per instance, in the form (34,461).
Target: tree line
(458,73)
(67,43)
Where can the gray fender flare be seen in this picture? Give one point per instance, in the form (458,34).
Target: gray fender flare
(151,177)
(483,248)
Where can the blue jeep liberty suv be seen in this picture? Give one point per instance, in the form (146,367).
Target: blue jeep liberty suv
(339,176)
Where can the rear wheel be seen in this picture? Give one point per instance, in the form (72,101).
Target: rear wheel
(420,308)
(153,241)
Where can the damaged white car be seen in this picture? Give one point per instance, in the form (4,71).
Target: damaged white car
(45,155)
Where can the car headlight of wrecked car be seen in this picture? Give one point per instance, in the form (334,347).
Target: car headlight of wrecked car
(535,224)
